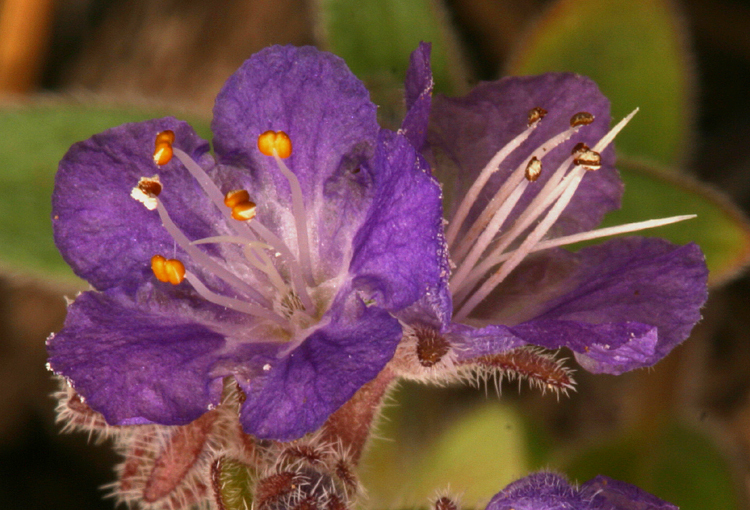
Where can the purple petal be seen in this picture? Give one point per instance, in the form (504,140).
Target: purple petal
(466,132)
(107,237)
(418,95)
(303,388)
(548,491)
(399,253)
(310,95)
(627,281)
(620,305)
(615,495)
(134,366)
(326,111)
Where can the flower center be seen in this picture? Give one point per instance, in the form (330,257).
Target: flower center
(258,274)
(489,248)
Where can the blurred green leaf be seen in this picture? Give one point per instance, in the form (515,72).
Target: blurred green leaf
(634,50)
(720,229)
(676,463)
(473,450)
(34,140)
(376,37)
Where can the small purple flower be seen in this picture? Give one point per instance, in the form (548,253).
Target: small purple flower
(548,491)
(288,269)
(527,167)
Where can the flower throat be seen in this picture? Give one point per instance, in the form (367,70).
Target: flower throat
(276,298)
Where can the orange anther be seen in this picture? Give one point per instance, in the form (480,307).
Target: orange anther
(157,266)
(167,270)
(236,197)
(163,153)
(278,141)
(244,211)
(165,137)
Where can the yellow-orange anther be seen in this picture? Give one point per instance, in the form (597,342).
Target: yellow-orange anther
(163,153)
(165,136)
(167,270)
(244,211)
(163,147)
(238,200)
(275,140)
(236,196)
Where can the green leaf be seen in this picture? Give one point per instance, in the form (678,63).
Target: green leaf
(720,229)
(676,463)
(234,484)
(34,140)
(635,52)
(376,37)
(432,445)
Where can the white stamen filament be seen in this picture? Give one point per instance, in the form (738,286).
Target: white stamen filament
(506,189)
(298,210)
(295,272)
(557,193)
(486,237)
(523,250)
(253,251)
(473,192)
(242,228)
(204,260)
(549,193)
(599,233)
(231,303)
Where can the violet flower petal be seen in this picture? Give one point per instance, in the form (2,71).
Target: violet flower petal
(418,95)
(135,366)
(616,495)
(548,491)
(310,95)
(466,132)
(327,113)
(623,304)
(303,388)
(399,252)
(107,237)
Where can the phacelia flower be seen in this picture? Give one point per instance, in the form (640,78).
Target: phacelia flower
(278,260)
(527,166)
(548,491)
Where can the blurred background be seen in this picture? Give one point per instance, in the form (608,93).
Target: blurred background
(69,68)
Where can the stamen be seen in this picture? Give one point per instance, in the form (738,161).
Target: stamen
(533,170)
(588,159)
(231,303)
(166,136)
(243,209)
(610,231)
(487,235)
(533,238)
(269,144)
(505,190)
(217,197)
(535,115)
(561,195)
(275,141)
(168,270)
(581,119)
(146,191)
(206,261)
(163,147)
(491,167)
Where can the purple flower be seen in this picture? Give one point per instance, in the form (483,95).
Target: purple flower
(548,491)
(296,303)
(527,166)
